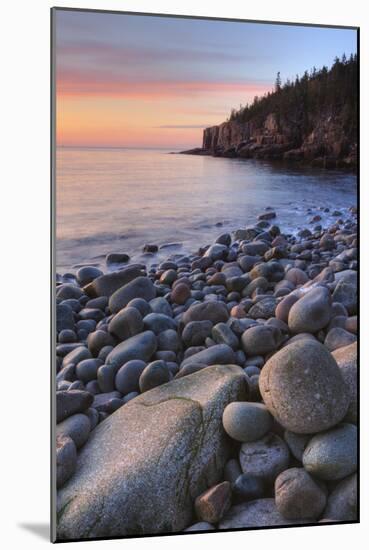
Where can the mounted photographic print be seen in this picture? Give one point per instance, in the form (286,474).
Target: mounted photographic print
(204,304)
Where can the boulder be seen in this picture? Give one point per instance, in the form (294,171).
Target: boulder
(303,387)
(144,466)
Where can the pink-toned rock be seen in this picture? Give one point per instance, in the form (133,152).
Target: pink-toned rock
(211,505)
(180,294)
(296,276)
(239,312)
(351,324)
(283,308)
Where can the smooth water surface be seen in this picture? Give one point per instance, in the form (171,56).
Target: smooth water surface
(116,200)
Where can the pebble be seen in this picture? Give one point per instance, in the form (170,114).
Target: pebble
(298,495)
(77,427)
(248,487)
(141,287)
(265,458)
(246,422)
(211,505)
(71,402)
(155,374)
(312,312)
(343,500)
(332,455)
(260,340)
(128,376)
(126,323)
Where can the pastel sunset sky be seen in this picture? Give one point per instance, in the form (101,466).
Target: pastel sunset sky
(140,81)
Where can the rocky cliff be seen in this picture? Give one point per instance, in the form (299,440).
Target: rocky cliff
(313,119)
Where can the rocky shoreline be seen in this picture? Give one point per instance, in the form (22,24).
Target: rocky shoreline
(211,391)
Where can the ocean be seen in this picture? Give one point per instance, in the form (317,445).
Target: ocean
(117,200)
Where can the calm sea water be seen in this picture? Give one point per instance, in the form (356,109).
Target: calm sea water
(116,200)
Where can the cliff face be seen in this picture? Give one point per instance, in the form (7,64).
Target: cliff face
(276,138)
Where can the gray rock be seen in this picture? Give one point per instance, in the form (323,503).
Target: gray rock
(66,459)
(168,340)
(195,332)
(161,305)
(127,377)
(87,274)
(223,334)
(107,284)
(346,293)
(98,340)
(220,354)
(346,359)
(158,322)
(216,252)
(216,312)
(142,346)
(107,402)
(201,526)
(246,421)
(260,340)
(140,287)
(303,387)
(312,312)
(298,495)
(64,318)
(265,458)
(232,470)
(247,487)
(86,370)
(67,291)
(126,323)
(116,258)
(71,402)
(342,502)
(332,455)
(256,513)
(155,374)
(338,338)
(171,438)
(76,355)
(263,309)
(77,427)
(296,443)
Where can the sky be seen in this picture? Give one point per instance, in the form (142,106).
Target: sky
(140,81)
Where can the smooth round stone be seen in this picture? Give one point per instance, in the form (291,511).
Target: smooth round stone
(93,416)
(190,368)
(246,421)
(168,340)
(312,312)
(347,362)
(66,459)
(200,526)
(68,290)
(87,274)
(346,294)
(303,387)
(126,323)
(265,458)
(283,308)
(296,443)
(99,339)
(263,309)
(298,495)
(77,385)
(180,293)
(168,277)
(158,322)
(98,303)
(107,402)
(222,334)
(93,387)
(247,487)
(296,276)
(260,340)
(71,402)
(342,502)
(116,258)
(155,374)
(129,396)
(337,338)
(67,336)
(77,427)
(104,352)
(106,378)
(64,318)
(167,356)
(232,470)
(251,370)
(127,378)
(161,305)
(332,455)
(216,312)
(195,332)
(140,287)
(143,307)
(86,370)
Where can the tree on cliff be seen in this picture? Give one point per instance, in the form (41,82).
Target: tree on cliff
(324,92)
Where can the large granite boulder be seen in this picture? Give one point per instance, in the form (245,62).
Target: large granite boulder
(144,466)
